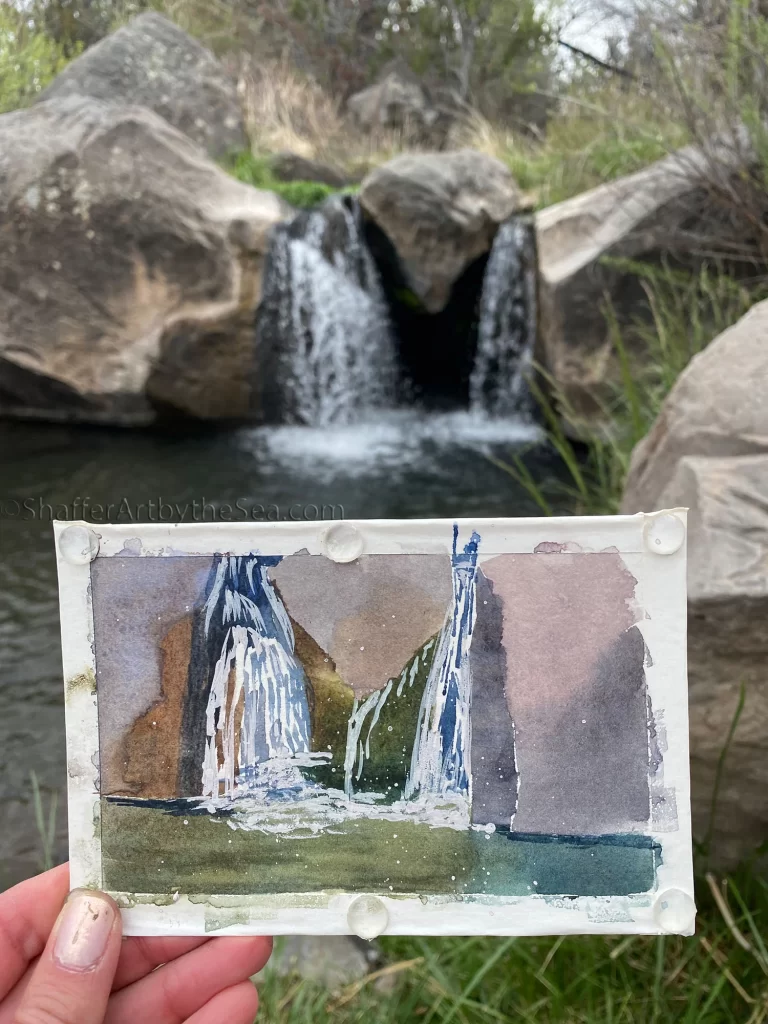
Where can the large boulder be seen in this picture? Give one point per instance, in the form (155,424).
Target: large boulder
(130,268)
(153,63)
(708,450)
(663,211)
(440,211)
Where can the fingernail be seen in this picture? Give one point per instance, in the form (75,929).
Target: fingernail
(85,925)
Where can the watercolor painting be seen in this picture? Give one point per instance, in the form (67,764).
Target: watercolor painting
(467,724)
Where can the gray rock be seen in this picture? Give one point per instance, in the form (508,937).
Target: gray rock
(153,63)
(292,167)
(396,101)
(665,209)
(329,960)
(441,211)
(129,265)
(709,451)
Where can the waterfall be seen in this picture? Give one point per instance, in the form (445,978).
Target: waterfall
(325,319)
(256,675)
(507,323)
(440,761)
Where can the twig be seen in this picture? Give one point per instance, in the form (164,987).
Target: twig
(727,916)
(721,960)
(383,972)
(596,60)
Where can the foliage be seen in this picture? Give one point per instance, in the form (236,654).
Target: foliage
(687,312)
(29,60)
(719,975)
(255,170)
(45,823)
(588,142)
(485,51)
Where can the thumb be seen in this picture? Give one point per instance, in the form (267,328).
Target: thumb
(73,978)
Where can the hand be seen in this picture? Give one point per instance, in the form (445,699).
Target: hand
(74,967)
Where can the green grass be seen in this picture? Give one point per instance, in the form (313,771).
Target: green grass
(687,312)
(592,138)
(255,170)
(718,976)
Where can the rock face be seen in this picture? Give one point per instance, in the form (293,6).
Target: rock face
(663,209)
(130,268)
(709,450)
(152,63)
(441,211)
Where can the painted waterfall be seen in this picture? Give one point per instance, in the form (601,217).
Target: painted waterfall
(258,745)
(257,668)
(458,721)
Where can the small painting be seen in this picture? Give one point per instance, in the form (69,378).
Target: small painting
(475,727)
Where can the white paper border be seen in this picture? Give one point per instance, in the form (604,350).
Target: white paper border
(661,592)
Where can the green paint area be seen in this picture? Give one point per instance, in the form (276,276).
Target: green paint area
(147,850)
(388,733)
(519,864)
(389,720)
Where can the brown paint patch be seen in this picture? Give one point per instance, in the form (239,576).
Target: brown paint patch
(369,615)
(150,751)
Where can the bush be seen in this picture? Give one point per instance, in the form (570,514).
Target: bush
(29,60)
(255,170)
(589,141)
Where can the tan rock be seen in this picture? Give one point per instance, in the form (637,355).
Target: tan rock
(128,263)
(718,407)
(662,210)
(440,211)
(708,450)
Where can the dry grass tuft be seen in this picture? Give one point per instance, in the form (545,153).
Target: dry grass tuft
(287,110)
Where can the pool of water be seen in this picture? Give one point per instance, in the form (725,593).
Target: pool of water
(398,466)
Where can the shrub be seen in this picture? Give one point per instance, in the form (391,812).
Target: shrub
(255,170)
(29,60)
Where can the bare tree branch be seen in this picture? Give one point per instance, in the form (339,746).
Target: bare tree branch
(605,65)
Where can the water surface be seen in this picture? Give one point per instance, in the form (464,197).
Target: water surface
(403,465)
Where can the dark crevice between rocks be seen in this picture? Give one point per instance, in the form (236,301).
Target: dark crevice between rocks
(436,350)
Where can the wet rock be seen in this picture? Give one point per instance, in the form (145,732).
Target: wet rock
(129,265)
(708,450)
(151,62)
(440,211)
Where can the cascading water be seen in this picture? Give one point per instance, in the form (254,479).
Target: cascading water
(440,763)
(327,338)
(325,319)
(256,676)
(507,324)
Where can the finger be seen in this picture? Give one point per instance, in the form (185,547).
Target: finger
(73,979)
(174,992)
(27,914)
(140,956)
(236,1005)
